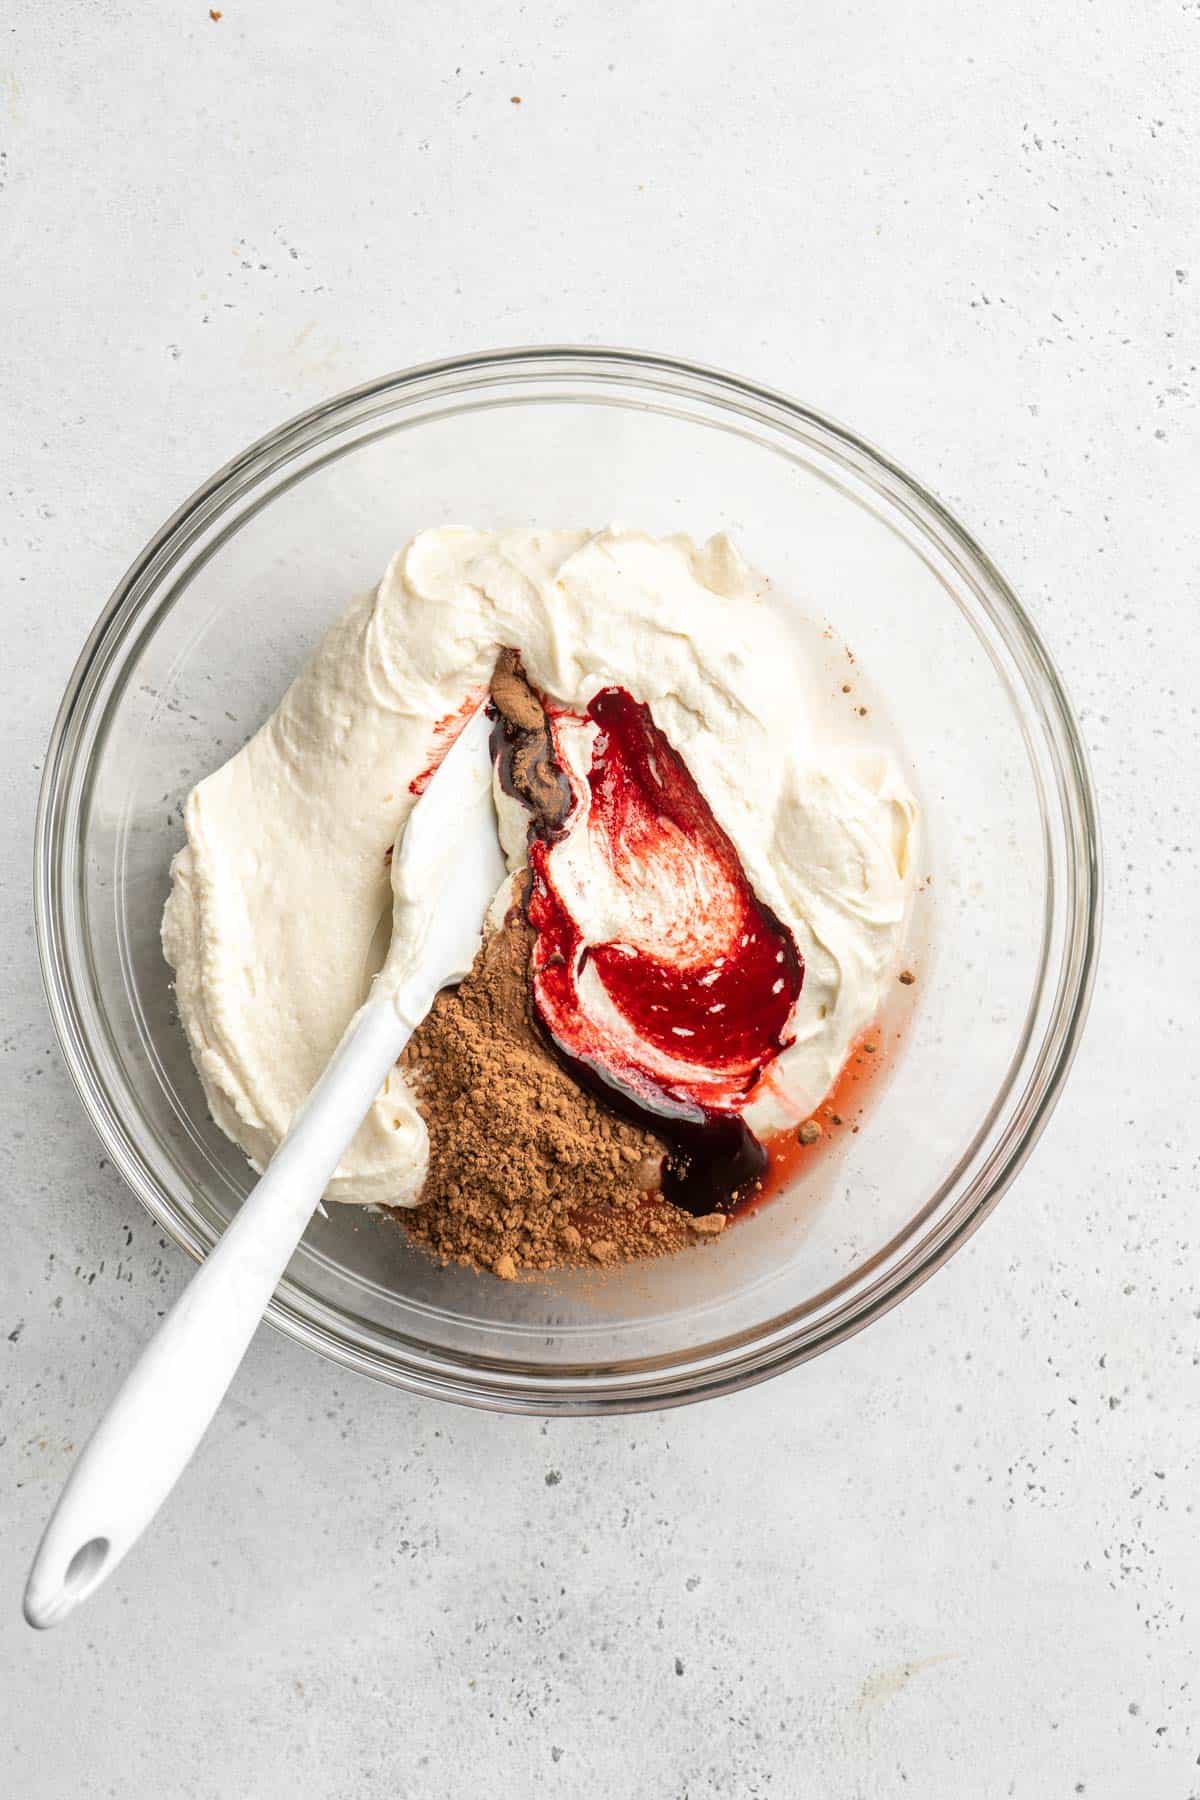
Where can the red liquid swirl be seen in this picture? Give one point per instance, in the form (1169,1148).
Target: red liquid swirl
(697,991)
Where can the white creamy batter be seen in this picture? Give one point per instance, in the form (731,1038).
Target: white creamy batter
(280,906)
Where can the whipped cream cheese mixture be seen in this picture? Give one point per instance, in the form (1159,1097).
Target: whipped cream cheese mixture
(281,909)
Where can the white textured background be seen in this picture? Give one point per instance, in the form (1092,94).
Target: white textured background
(957,1558)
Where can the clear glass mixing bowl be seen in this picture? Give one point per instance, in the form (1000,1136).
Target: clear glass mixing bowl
(212,620)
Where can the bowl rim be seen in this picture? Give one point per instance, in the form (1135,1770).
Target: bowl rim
(697,1374)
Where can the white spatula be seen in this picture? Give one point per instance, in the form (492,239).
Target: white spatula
(445,871)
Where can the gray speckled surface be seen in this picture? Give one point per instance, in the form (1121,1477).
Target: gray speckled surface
(957,1557)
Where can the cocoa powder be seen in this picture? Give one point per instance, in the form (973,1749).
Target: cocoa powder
(512,695)
(527,764)
(526,1170)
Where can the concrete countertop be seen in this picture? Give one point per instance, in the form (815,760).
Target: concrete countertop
(956,1557)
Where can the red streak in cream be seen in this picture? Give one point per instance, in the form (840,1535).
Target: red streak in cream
(705,978)
(445,732)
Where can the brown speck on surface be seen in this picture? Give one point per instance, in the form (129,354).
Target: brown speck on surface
(516,99)
(870,1049)
(809,1132)
(710,1224)
(861,711)
(214,15)
(907,977)
(845,687)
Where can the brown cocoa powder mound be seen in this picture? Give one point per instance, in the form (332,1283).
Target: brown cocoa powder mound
(526,1169)
(527,764)
(514,697)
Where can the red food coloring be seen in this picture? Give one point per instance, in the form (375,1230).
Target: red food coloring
(679,1017)
(445,732)
(839,1115)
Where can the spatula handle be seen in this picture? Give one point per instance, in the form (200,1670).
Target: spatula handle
(169,1397)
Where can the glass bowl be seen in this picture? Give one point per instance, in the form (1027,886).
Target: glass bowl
(211,622)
